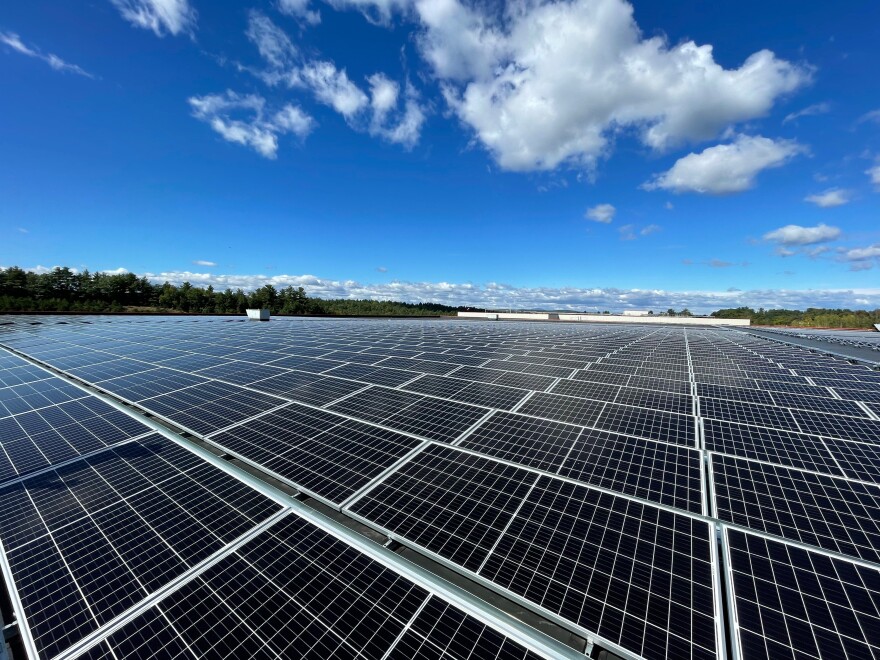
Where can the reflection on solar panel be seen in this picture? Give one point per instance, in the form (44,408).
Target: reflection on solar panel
(608,478)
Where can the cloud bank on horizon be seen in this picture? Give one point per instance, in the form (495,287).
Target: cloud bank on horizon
(496,295)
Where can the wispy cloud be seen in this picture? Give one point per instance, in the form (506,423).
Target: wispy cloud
(384,111)
(863,258)
(809,111)
(872,116)
(243,119)
(161,16)
(22,230)
(632,232)
(14,42)
(202,262)
(874,174)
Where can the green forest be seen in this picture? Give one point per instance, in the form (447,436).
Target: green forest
(65,290)
(812,317)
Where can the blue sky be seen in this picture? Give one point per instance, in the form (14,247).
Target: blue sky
(592,153)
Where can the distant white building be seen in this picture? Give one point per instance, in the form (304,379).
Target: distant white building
(635,312)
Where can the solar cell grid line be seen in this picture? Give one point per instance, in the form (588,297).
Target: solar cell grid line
(106,591)
(586,389)
(442,386)
(436,419)
(37,395)
(833,513)
(789,601)
(650,424)
(375,403)
(451,503)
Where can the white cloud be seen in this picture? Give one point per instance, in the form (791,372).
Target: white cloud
(202,262)
(291,119)
(726,168)
(627,232)
(874,174)
(384,112)
(161,16)
(864,258)
(383,95)
(544,84)
(22,230)
(668,206)
(271,41)
(299,9)
(830,198)
(255,130)
(405,128)
(858,254)
(331,86)
(809,111)
(498,295)
(601,213)
(14,42)
(650,229)
(795,235)
(381,269)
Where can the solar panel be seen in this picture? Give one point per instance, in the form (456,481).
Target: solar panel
(657,471)
(537,443)
(636,575)
(829,512)
(793,602)
(771,445)
(324,454)
(453,504)
(90,535)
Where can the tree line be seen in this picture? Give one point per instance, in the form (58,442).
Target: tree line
(65,290)
(812,317)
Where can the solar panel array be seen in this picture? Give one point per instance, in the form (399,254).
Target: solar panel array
(661,492)
(118,541)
